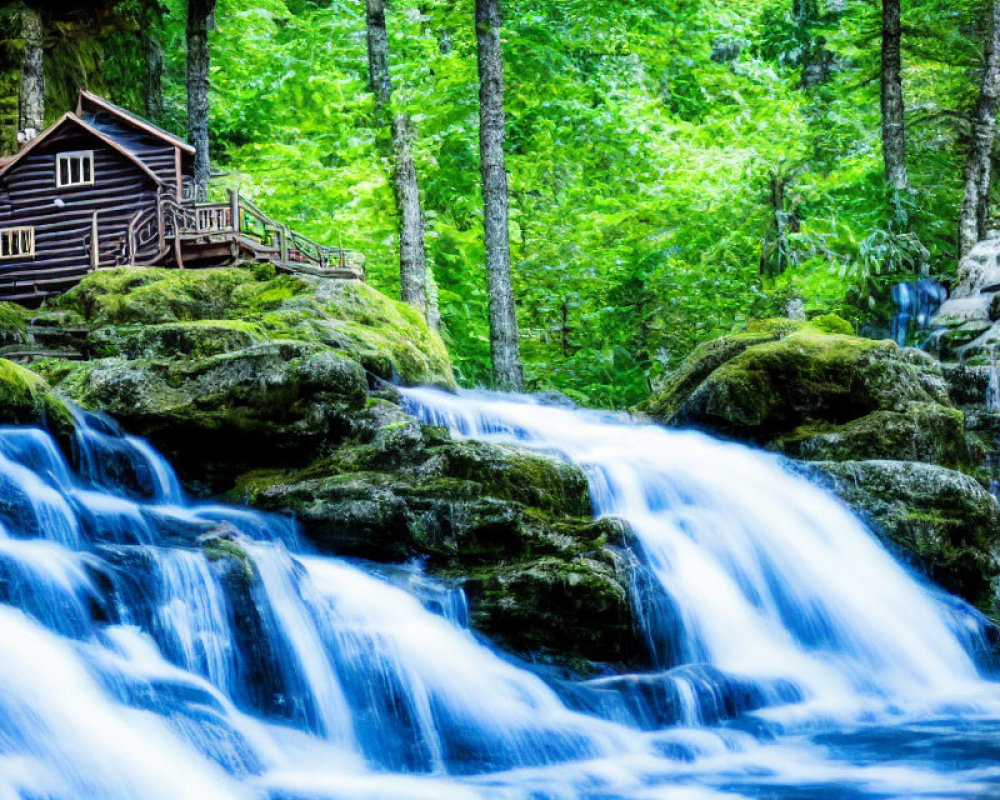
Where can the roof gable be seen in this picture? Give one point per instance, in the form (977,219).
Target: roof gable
(91,99)
(69,118)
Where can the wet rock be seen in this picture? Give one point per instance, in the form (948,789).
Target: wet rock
(217,416)
(511,527)
(928,432)
(760,387)
(944,521)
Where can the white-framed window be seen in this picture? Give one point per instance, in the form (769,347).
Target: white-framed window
(17,242)
(75,169)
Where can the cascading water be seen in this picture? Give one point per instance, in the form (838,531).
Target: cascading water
(915,304)
(151,647)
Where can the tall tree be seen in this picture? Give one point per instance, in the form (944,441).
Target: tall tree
(413,271)
(32,109)
(200,19)
(154,75)
(505,344)
(973,217)
(893,126)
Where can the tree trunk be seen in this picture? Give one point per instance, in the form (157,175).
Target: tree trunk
(413,268)
(198,23)
(433,310)
(412,256)
(893,127)
(154,77)
(32,116)
(505,345)
(983,206)
(975,202)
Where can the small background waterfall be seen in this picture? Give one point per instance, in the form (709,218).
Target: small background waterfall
(157,648)
(916,303)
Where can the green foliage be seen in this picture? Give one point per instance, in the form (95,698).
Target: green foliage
(642,139)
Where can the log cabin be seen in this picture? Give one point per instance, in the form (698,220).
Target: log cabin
(103,188)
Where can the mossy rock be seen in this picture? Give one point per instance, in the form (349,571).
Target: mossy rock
(173,340)
(554,607)
(13,325)
(513,527)
(150,296)
(928,432)
(760,390)
(129,307)
(942,521)
(392,516)
(217,416)
(26,399)
(222,548)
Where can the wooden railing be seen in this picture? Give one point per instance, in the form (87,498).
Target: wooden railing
(172,222)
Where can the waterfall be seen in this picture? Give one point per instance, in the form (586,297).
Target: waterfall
(152,646)
(993,383)
(765,575)
(916,303)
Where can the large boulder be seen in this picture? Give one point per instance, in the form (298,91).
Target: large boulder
(513,528)
(125,310)
(943,521)
(802,390)
(219,415)
(886,427)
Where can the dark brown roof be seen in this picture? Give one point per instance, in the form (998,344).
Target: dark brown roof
(69,118)
(131,119)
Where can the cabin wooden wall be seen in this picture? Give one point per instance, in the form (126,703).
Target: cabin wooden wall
(28,196)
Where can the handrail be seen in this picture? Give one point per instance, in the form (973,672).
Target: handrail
(172,219)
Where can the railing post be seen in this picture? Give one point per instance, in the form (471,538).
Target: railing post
(283,244)
(161,239)
(234,210)
(95,244)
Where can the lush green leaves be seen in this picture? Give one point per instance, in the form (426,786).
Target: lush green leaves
(642,141)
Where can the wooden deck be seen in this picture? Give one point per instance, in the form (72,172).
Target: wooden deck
(183,233)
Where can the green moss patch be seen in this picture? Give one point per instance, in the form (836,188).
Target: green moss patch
(168,313)
(26,399)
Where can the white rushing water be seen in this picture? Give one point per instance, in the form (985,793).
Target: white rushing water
(796,659)
(766,575)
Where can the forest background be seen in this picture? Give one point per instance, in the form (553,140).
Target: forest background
(676,168)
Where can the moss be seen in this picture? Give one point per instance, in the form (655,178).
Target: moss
(26,399)
(152,295)
(776,327)
(921,432)
(388,338)
(195,338)
(13,325)
(831,323)
(702,362)
(773,387)
(221,548)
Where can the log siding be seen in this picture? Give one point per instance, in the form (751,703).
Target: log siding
(63,218)
(134,204)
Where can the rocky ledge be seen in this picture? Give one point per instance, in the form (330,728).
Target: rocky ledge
(275,391)
(892,431)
